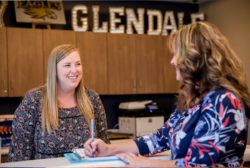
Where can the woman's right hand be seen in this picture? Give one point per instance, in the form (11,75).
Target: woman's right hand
(96,148)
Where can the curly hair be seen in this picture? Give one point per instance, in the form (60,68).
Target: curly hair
(206,61)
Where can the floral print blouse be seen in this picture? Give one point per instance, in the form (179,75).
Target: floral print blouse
(28,140)
(213,133)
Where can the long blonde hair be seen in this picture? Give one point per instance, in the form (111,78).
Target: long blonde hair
(206,61)
(50,106)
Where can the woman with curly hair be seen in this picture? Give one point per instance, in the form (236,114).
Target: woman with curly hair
(209,125)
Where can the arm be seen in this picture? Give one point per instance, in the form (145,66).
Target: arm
(100,116)
(100,148)
(139,161)
(158,141)
(219,135)
(153,143)
(22,143)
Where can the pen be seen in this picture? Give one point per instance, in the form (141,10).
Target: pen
(92,132)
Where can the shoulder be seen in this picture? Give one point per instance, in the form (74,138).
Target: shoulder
(92,94)
(30,105)
(34,95)
(225,107)
(222,110)
(223,98)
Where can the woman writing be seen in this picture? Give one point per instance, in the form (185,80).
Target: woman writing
(209,125)
(53,119)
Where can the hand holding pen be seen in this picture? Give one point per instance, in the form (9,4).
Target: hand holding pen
(98,148)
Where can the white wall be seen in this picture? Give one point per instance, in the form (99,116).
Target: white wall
(233,19)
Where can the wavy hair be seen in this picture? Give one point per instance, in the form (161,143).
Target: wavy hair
(50,106)
(206,61)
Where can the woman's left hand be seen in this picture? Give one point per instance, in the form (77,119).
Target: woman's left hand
(133,160)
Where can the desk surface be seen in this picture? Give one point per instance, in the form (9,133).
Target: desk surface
(63,162)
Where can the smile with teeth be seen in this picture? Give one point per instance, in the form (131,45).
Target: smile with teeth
(72,77)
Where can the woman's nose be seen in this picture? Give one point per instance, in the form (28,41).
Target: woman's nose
(73,69)
(172,62)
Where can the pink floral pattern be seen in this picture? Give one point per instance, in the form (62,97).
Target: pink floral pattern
(213,133)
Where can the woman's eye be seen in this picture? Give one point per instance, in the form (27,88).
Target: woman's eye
(77,63)
(66,65)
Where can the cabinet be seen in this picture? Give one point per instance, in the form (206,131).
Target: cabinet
(25,60)
(149,60)
(121,64)
(135,64)
(3,63)
(93,51)
(112,63)
(53,38)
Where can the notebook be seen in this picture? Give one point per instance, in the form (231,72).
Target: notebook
(78,156)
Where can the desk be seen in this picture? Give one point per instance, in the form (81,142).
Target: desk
(63,162)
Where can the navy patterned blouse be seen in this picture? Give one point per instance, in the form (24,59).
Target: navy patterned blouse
(212,133)
(28,140)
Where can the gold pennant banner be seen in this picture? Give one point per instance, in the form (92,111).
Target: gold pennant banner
(51,12)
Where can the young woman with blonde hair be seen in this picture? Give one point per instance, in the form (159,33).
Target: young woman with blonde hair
(53,119)
(209,126)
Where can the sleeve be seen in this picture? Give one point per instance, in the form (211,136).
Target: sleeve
(22,142)
(219,129)
(157,141)
(100,117)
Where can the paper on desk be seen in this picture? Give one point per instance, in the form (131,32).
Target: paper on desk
(80,152)
(73,158)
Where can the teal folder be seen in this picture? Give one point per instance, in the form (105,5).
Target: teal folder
(73,158)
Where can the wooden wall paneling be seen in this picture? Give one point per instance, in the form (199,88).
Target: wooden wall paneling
(121,64)
(169,76)
(3,63)
(25,60)
(53,38)
(149,56)
(93,50)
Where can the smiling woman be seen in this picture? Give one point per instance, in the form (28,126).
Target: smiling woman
(69,74)
(53,119)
